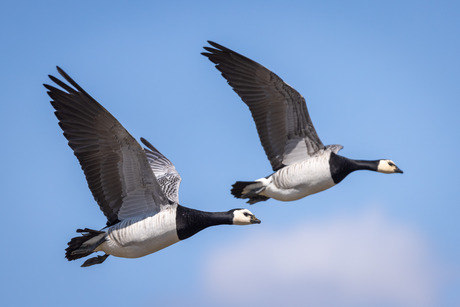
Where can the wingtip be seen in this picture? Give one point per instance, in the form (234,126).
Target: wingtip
(51,77)
(209,49)
(61,72)
(212,43)
(215,45)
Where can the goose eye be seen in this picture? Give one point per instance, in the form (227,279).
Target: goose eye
(246,214)
(391,164)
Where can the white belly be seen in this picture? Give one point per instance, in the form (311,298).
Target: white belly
(133,238)
(300,179)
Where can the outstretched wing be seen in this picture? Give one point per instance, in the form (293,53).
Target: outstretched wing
(164,171)
(115,166)
(279,111)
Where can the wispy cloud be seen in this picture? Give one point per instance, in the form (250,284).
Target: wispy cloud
(364,260)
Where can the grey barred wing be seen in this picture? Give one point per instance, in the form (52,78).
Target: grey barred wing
(164,170)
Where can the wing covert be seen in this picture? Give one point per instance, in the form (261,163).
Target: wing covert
(164,171)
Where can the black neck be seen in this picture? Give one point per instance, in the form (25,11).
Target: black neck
(340,166)
(190,221)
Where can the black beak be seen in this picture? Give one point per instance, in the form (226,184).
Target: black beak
(254,220)
(397,170)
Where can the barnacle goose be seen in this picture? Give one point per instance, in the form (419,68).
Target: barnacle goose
(302,165)
(136,189)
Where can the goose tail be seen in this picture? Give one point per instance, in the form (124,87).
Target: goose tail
(84,245)
(249,190)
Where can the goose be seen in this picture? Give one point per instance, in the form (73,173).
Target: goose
(302,165)
(136,189)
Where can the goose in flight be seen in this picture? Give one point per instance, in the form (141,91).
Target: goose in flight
(135,188)
(302,165)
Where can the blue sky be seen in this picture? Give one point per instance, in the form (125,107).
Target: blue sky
(380,78)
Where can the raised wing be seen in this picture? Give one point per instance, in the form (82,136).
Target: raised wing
(279,111)
(115,166)
(164,171)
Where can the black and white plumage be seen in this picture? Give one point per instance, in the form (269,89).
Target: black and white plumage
(136,189)
(302,164)
(165,172)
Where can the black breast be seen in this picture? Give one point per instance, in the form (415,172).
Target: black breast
(340,167)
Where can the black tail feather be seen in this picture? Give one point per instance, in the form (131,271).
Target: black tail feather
(76,242)
(237,191)
(238,187)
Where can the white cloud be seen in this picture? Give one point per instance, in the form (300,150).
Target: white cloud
(364,260)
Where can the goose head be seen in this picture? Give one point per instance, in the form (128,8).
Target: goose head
(244,217)
(388,167)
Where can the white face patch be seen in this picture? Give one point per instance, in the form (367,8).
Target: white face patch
(243,217)
(387,167)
